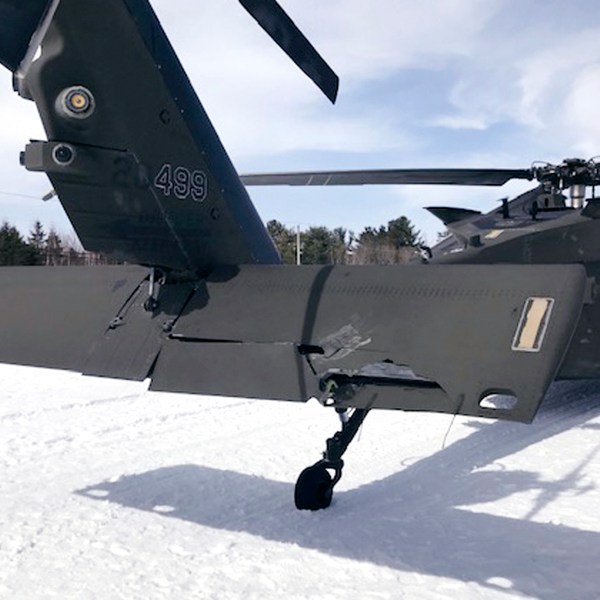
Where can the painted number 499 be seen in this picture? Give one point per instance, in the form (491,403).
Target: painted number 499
(182,183)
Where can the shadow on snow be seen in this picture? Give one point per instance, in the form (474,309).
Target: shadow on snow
(411,521)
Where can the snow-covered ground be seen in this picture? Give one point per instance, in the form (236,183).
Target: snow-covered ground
(109,491)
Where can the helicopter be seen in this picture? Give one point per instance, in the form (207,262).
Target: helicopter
(204,305)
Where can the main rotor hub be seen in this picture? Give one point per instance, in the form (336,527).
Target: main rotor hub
(571,172)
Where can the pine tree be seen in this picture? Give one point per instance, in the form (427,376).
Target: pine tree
(14,250)
(37,240)
(318,246)
(395,244)
(284,239)
(401,232)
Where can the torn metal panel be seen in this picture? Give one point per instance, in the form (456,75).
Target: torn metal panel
(342,343)
(51,316)
(400,397)
(454,325)
(445,338)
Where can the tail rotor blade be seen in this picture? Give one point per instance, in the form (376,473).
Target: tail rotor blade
(273,19)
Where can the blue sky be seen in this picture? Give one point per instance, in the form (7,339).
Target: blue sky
(434,83)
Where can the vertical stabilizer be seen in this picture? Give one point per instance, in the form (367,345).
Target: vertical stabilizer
(133,156)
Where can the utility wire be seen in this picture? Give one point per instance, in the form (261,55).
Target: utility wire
(19,195)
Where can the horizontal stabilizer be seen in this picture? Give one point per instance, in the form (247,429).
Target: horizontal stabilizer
(448,214)
(459,337)
(483,340)
(53,316)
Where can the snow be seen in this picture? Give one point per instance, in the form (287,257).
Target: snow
(110,491)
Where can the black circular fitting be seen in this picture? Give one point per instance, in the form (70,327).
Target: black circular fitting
(63,154)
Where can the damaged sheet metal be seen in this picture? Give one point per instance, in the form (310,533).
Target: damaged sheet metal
(427,318)
(342,343)
(407,338)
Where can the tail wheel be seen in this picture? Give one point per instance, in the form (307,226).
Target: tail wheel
(314,488)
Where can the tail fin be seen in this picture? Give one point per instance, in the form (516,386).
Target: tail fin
(133,156)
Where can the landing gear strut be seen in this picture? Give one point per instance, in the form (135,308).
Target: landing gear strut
(314,488)
(155,280)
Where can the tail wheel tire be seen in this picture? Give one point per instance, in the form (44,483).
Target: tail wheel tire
(314,488)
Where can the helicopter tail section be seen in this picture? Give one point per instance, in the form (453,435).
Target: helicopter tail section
(475,340)
(143,177)
(135,161)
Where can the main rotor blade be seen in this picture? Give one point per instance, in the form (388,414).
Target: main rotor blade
(273,19)
(491,177)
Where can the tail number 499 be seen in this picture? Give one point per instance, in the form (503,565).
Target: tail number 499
(182,183)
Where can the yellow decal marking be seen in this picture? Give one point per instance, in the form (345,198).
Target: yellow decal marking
(494,233)
(532,325)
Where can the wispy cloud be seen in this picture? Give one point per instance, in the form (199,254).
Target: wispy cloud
(428,83)
(540,80)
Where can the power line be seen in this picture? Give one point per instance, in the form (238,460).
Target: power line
(19,195)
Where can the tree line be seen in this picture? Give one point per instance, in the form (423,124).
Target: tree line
(395,243)
(41,248)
